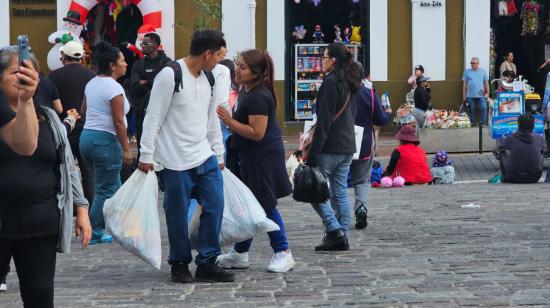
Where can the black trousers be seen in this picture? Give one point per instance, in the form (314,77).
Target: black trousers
(86,171)
(35,264)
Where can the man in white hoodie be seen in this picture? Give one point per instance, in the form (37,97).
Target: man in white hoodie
(182,133)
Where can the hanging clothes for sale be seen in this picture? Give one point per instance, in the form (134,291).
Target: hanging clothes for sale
(512,9)
(530,18)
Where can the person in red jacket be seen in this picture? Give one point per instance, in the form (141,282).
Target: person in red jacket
(409,159)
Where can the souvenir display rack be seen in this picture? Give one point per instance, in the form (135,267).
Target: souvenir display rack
(308,76)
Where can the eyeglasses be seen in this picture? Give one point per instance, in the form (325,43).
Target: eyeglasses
(147,44)
(472,63)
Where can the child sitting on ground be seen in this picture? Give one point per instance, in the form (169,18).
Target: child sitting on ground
(442,169)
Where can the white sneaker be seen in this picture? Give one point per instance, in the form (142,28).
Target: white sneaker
(281,262)
(233,259)
(3,287)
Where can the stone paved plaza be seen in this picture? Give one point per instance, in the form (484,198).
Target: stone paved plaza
(421,249)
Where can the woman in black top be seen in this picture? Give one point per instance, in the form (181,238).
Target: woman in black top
(35,219)
(20,133)
(422,102)
(258,143)
(333,142)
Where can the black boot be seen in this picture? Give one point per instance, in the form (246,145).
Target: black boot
(180,273)
(361,217)
(213,273)
(333,241)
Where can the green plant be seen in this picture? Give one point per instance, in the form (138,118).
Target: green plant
(207,11)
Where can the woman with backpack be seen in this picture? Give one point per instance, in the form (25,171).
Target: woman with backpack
(258,144)
(333,141)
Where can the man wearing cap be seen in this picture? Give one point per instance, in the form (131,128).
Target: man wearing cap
(418,72)
(475,90)
(422,101)
(521,154)
(70,80)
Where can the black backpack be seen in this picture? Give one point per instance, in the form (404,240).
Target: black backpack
(178,81)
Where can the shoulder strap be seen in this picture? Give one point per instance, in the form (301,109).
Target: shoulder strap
(211,81)
(339,113)
(178,75)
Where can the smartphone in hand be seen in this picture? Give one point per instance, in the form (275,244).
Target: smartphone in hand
(23,49)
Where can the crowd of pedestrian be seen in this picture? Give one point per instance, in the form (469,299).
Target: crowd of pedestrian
(195,116)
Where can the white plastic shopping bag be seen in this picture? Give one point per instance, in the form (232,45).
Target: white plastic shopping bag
(358,140)
(243,216)
(131,217)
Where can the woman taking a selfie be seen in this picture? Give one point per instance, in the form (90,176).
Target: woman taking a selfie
(38,191)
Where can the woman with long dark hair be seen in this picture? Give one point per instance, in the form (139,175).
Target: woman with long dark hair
(257,141)
(39,192)
(104,143)
(333,142)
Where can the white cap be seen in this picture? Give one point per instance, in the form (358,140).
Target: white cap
(73,49)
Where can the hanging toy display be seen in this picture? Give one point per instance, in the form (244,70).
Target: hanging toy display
(299,33)
(356,35)
(115,7)
(530,18)
(512,10)
(337,34)
(347,35)
(318,35)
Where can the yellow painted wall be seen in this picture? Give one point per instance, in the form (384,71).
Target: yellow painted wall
(38,29)
(445,94)
(184,20)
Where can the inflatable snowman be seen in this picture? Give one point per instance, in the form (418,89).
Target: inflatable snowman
(72,27)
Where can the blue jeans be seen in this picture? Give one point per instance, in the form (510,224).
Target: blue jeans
(335,213)
(472,102)
(102,151)
(204,183)
(277,239)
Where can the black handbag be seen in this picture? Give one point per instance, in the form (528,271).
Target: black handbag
(310,185)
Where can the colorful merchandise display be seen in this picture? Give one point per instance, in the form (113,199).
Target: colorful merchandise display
(309,76)
(436,119)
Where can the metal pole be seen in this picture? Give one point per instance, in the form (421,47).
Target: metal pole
(480,138)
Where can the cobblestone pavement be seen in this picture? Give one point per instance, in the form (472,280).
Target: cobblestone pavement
(421,249)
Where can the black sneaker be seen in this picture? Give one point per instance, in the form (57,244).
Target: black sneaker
(180,273)
(333,241)
(361,217)
(213,273)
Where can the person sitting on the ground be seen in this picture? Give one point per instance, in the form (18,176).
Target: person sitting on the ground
(409,159)
(521,154)
(442,169)
(376,174)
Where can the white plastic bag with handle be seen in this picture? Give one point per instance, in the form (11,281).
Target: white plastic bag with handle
(243,216)
(131,217)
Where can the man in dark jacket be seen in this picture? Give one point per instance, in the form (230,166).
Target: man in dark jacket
(422,99)
(521,157)
(143,75)
(71,80)
(369,112)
